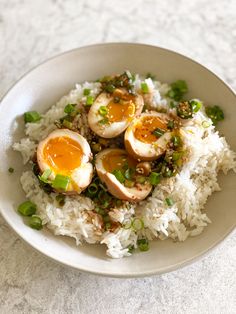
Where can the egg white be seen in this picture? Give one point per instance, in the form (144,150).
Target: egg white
(80,176)
(113,129)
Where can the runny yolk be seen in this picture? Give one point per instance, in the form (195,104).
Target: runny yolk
(144,129)
(117,160)
(62,154)
(120,111)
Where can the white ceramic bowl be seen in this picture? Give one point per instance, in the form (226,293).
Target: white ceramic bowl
(45,84)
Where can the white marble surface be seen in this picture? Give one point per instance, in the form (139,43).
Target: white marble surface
(30,32)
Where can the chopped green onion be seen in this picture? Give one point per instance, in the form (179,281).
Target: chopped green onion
(158,132)
(31,116)
(92,189)
(137,224)
(61,182)
(176,155)
(45,175)
(206,124)
(129,75)
(130,248)
(86,91)
(110,88)
(60,198)
(35,222)
(119,176)
(144,87)
(215,113)
(170,125)
(89,100)
(169,201)
(154,178)
(27,208)
(11,170)
(176,140)
(103,111)
(69,108)
(178,89)
(104,121)
(143,244)
(196,105)
(67,124)
(127,224)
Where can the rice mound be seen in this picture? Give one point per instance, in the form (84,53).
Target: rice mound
(208,154)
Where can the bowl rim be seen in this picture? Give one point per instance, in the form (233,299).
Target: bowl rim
(109,273)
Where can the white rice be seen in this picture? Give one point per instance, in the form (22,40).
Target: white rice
(209,153)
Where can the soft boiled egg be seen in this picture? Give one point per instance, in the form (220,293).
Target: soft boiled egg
(147,136)
(65,156)
(110,164)
(111,114)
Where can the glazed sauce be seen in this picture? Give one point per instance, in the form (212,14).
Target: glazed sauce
(117,160)
(62,154)
(144,129)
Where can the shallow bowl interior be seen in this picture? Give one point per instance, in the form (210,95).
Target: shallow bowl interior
(45,84)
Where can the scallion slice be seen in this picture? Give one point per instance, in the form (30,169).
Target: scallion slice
(143,244)
(169,201)
(144,87)
(27,208)
(45,175)
(158,132)
(119,176)
(137,224)
(69,108)
(61,182)
(154,178)
(89,100)
(35,222)
(103,111)
(31,116)
(206,124)
(86,91)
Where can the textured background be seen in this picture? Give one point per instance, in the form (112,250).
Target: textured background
(32,31)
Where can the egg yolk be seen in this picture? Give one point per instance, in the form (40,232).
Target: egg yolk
(117,161)
(120,111)
(144,129)
(63,154)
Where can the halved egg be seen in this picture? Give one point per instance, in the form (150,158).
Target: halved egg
(147,136)
(65,155)
(110,165)
(111,114)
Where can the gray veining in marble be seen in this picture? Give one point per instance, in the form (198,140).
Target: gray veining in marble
(30,32)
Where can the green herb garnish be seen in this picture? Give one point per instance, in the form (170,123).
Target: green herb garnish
(89,100)
(69,108)
(103,111)
(169,201)
(144,88)
(154,178)
(86,91)
(143,244)
(27,208)
(61,182)
(215,113)
(158,132)
(119,175)
(178,89)
(31,116)
(35,222)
